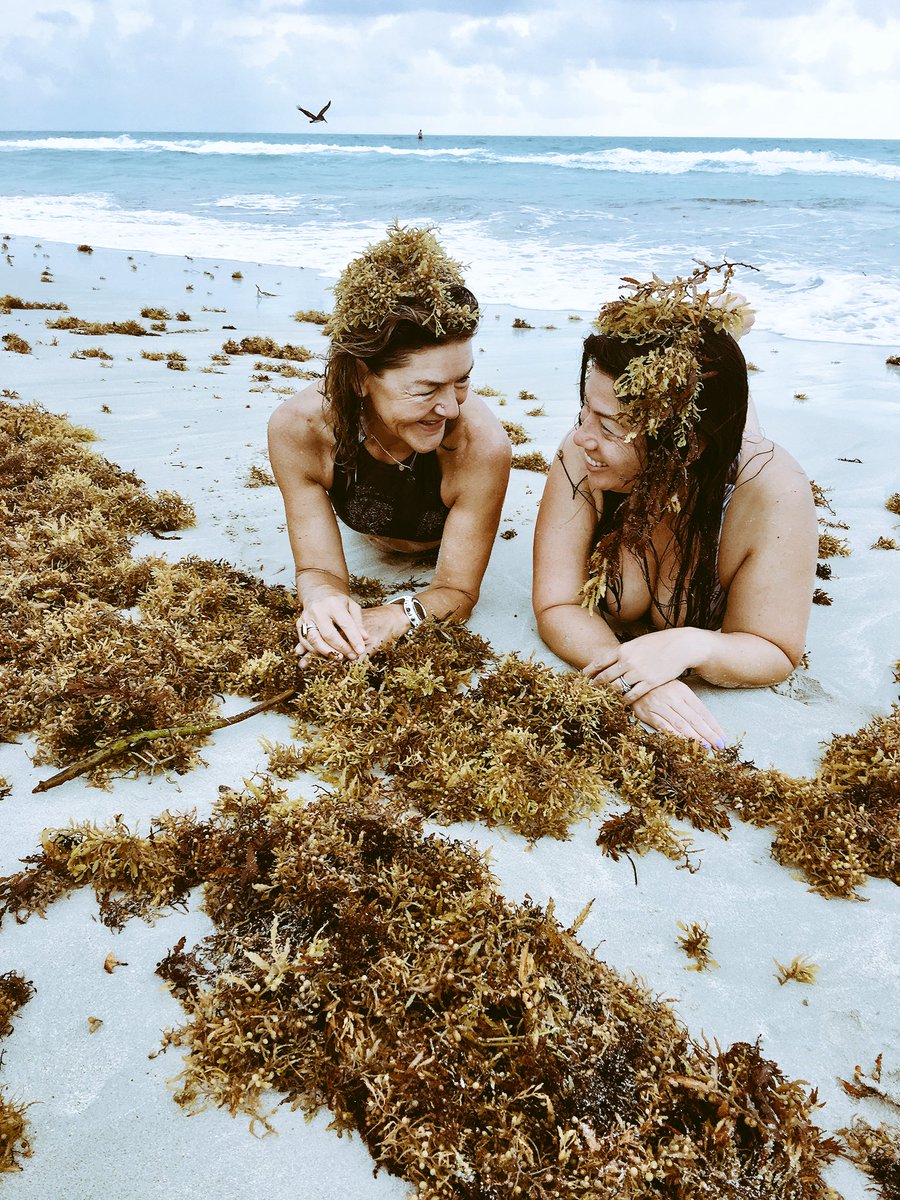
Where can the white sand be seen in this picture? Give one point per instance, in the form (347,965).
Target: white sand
(103,1120)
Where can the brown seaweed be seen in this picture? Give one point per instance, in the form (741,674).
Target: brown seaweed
(876,1151)
(268,348)
(97,328)
(534,461)
(527,747)
(15,991)
(476,1047)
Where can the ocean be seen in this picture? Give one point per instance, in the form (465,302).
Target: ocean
(543,222)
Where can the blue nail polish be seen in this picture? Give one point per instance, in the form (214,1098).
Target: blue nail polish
(720,744)
(705,745)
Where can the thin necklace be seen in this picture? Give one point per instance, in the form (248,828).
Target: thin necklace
(402,465)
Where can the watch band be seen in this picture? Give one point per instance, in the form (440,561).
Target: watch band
(413,607)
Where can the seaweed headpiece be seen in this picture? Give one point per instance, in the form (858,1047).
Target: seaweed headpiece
(660,388)
(406,274)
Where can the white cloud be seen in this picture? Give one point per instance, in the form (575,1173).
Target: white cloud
(679,67)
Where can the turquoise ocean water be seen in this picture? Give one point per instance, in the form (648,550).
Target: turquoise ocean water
(541,222)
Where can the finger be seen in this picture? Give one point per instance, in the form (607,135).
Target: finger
(604,662)
(353,632)
(328,639)
(592,671)
(638,691)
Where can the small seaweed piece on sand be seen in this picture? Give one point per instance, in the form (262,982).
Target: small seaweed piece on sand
(15,344)
(5,787)
(156,314)
(15,991)
(893,360)
(97,328)
(268,348)
(876,1151)
(820,496)
(258,477)
(892,504)
(521,323)
(515,432)
(864,1085)
(286,369)
(84,248)
(694,941)
(313,316)
(8,303)
(476,1047)
(92,352)
(799,969)
(534,461)
(831,546)
(821,597)
(885,543)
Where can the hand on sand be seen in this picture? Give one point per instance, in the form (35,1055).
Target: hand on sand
(636,667)
(331,628)
(673,708)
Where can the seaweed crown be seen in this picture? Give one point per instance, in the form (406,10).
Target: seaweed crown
(405,274)
(662,386)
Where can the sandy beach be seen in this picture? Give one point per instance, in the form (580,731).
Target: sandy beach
(103,1121)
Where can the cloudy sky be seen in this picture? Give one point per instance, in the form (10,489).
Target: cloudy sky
(788,68)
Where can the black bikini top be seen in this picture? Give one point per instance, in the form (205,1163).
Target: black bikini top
(390,500)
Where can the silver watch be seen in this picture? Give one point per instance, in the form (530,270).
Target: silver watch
(413,607)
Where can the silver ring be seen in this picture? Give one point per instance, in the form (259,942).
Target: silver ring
(306,628)
(624,684)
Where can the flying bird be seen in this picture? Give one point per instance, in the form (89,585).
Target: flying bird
(313,117)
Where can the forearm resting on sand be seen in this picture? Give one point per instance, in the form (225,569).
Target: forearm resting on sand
(575,634)
(739,659)
(446,602)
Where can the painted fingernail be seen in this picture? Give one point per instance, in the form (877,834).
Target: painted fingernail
(705,745)
(720,744)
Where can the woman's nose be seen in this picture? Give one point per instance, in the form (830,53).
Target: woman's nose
(448,406)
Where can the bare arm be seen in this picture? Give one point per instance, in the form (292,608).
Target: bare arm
(477,484)
(299,450)
(562,543)
(767,560)
(563,540)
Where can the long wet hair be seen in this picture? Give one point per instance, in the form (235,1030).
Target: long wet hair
(409,328)
(684,475)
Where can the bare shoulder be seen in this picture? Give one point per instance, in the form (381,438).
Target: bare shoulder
(299,421)
(480,433)
(770,475)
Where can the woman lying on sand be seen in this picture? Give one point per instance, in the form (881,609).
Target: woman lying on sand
(665,507)
(391,442)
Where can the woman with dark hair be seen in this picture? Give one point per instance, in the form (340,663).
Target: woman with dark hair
(391,442)
(668,520)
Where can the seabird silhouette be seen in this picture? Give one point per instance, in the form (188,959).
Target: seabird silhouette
(313,117)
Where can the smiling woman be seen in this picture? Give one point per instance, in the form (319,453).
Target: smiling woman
(391,443)
(672,536)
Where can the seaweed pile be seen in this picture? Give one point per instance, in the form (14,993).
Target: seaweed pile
(478,1049)
(93,642)
(535,750)
(15,991)
(876,1151)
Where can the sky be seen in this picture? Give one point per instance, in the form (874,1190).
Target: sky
(705,68)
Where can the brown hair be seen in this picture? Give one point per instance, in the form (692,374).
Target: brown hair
(684,473)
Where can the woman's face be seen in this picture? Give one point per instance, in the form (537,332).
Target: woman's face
(408,407)
(613,459)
